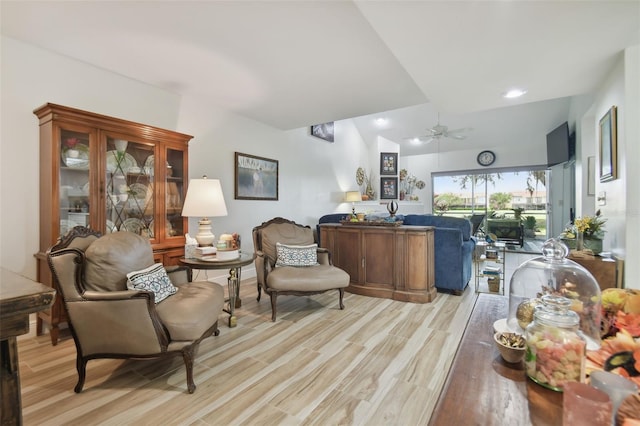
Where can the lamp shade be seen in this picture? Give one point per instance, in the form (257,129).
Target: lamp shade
(353,196)
(204,199)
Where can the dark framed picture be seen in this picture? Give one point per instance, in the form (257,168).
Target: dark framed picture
(256,178)
(388,163)
(323,131)
(388,188)
(609,146)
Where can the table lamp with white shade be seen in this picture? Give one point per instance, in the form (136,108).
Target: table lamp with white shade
(353,197)
(204,199)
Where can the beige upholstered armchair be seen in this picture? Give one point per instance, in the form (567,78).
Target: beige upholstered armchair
(122,305)
(288,262)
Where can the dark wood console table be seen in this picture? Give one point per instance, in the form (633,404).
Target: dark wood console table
(19,297)
(482,389)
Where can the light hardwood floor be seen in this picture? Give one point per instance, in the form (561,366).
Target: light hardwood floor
(378,362)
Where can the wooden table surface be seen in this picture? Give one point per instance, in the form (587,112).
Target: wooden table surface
(482,389)
(19,297)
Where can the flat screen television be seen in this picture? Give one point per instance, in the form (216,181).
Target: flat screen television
(559,145)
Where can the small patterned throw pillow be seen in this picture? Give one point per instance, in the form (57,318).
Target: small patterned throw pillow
(155,279)
(296,255)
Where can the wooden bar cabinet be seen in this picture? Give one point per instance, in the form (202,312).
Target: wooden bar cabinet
(393,262)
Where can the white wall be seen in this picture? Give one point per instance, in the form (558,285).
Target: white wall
(313,173)
(631,153)
(32,77)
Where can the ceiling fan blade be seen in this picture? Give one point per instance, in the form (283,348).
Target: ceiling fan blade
(463,129)
(460,137)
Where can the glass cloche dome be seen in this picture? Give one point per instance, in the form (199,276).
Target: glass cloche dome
(552,273)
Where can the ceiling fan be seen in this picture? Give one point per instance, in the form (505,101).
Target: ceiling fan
(439,132)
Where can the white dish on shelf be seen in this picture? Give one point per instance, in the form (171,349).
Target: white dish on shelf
(66,225)
(133,225)
(122,161)
(138,190)
(111,227)
(76,161)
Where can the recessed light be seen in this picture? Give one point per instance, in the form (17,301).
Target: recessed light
(416,141)
(381,121)
(514,93)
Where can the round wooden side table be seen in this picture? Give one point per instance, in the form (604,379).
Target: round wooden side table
(235,270)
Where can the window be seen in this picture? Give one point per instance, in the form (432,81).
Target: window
(519,195)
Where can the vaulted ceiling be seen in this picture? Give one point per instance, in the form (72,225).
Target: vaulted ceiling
(291,64)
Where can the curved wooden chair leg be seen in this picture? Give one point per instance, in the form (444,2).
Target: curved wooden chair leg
(274,297)
(187,356)
(81,366)
(259,291)
(341,290)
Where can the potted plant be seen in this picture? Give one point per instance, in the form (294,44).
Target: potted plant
(586,233)
(530,227)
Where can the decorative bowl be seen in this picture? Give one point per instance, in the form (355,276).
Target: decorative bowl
(510,353)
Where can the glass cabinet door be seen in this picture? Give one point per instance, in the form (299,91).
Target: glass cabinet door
(74,184)
(175,193)
(130,187)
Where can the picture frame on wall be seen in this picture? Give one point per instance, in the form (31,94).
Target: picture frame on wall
(388,188)
(323,131)
(609,146)
(256,178)
(388,163)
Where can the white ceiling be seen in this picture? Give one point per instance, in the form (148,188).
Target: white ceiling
(291,64)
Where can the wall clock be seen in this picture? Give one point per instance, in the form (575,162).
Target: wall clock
(486,158)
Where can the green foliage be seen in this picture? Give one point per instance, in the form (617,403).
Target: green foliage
(444,202)
(530,222)
(463,181)
(499,200)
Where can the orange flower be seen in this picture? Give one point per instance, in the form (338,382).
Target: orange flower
(621,342)
(628,322)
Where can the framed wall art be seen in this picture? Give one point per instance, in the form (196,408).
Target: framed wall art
(323,131)
(388,188)
(256,178)
(609,146)
(388,163)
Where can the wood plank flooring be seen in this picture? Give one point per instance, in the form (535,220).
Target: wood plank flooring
(378,362)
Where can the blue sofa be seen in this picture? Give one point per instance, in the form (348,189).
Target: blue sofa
(454,247)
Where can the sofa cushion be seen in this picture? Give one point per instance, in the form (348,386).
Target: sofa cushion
(464,225)
(312,278)
(292,255)
(192,310)
(153,279)
(112,256)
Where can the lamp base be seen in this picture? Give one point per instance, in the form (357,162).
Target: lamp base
(205,237)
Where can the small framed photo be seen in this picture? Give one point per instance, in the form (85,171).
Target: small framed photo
(388,163)
(609,146)
(256,178)
(388,188)
(323,131)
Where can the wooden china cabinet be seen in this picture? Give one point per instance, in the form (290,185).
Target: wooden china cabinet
(110,175)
